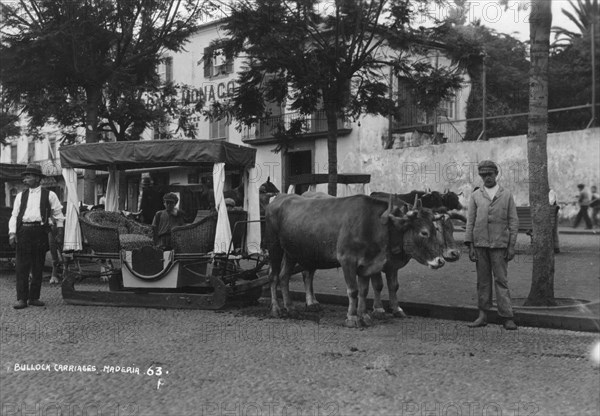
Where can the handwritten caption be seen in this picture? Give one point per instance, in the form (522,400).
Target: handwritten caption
(153,371)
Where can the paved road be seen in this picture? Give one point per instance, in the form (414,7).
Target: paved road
(241,362)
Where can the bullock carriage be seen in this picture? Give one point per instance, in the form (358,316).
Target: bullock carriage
(214,261)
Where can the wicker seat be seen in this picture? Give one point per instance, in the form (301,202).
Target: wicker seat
(106,237)
(197,237)
(118,220)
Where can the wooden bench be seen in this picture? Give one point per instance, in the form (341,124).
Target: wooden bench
(525,220)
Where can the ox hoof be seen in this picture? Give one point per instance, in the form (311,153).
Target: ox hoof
(399,314)
(366,320)
(291,312)
(275,312)
(315,307)
(378,313)
(352,322)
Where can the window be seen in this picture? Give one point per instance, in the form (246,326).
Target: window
(13,153)
(219,129)
(448,108)
(165,70)
(31,151)
(215,63)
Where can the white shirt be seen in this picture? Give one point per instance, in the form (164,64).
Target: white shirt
(492,191)
(32,211)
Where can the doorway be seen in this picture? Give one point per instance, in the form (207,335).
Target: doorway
(299,163)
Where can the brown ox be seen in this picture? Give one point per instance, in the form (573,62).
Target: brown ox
(358,233)
(451,253)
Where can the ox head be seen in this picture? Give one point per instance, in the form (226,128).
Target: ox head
(268,187)
(445,233)
(432,199)
(413,233)
(451,201)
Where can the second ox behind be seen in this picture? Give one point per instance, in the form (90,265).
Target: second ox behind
(358,233)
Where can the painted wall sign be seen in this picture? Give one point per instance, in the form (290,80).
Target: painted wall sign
(208,92)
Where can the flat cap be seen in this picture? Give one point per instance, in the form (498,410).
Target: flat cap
(487,165)
(170,197)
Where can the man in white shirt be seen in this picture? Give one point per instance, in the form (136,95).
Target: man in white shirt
(28,231)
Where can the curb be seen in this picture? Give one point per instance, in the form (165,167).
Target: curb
(469,313)
(580,232)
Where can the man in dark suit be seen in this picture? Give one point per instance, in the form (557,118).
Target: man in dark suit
(28,231)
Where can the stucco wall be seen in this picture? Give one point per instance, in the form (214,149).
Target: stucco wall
(572,158)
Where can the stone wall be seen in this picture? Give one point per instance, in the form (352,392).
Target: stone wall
(572,158)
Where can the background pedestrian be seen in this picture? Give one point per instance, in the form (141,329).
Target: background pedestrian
(595,205)
(584,202)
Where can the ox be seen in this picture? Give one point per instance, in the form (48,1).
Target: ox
(451,253)
(358,233)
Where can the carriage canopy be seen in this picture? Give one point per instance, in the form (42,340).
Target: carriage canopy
(156,153)
(210,155)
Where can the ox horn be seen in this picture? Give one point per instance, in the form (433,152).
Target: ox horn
(390,204)
(416,201)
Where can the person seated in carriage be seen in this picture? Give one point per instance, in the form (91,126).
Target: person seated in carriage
(165,220)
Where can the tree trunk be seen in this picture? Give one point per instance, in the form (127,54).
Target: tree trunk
(93,97)
(542,279)
(331,115)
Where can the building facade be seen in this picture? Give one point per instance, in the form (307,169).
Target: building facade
(214,80)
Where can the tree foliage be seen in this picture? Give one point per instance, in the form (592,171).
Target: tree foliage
(310,55)
(506,65)
(582,14)
(78,61)
(571,67)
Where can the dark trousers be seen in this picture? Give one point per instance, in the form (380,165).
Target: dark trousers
(583,213)
(32,244)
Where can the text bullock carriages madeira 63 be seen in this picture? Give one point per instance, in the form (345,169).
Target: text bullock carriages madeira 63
(201,271)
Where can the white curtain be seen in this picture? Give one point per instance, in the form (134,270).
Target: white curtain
(72,239)
(112,190)
(366,189)
(291,189)
(251,204)
(223,235)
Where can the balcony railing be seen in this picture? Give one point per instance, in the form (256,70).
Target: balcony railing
(314,125)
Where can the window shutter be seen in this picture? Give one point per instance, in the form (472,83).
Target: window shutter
(169,69)
(207,63)
(229,66)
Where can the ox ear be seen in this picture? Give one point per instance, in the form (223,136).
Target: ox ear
(461,192)
(400,223)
